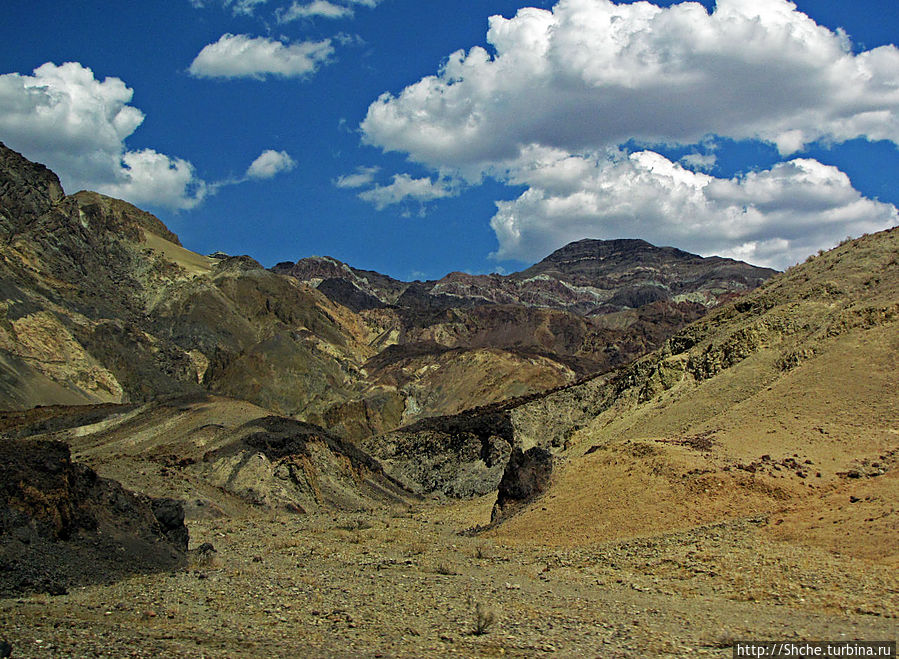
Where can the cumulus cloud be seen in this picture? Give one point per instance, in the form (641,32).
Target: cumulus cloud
(77,125)
(774,217)
(405,187)
(561,90)
(359,179)
(242,56)
(593,74)
(153,178)
(269,164)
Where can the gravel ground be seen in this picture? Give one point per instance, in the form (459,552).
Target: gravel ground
(407,584)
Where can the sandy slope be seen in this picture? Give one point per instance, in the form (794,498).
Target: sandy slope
(784,405)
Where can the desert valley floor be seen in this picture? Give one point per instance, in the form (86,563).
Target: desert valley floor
(406,584)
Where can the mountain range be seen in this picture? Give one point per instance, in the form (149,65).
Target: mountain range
(103,304)
(628,428)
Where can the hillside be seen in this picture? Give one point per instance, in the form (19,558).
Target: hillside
(783,403)
(102,304)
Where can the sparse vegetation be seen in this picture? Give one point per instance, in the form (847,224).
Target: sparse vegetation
(483,619)
(416,548)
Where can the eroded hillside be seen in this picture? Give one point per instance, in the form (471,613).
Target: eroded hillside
(103,304)
(783,403)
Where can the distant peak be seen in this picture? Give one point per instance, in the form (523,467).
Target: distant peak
(599,249)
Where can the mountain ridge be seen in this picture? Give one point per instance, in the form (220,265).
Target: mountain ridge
(103,304)
(633,263)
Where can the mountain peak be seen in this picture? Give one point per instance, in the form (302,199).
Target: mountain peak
(29,190)
(634,262)
(623,248)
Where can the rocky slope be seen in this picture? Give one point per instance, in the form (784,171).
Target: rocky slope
(101,304)
(782,403)
(787,392)
(61,525)
(466,340)
(220,456)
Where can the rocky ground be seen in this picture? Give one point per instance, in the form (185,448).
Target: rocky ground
(406,583)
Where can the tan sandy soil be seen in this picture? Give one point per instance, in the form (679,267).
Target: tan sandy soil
(406,584)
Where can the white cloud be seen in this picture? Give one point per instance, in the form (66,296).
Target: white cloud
(405,187)
(774,217)
(322,9)
(244,7)
(242,56)
(153,178)
(701,162)
(318,8)
(550,106)
(77,125)
(269,164)
(359,179)
(593,74)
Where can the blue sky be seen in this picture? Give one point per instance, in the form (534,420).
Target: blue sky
(416,138)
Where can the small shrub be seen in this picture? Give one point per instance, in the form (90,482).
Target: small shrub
(356,525)
(483,619)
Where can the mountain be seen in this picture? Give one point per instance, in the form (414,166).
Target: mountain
(779,407)
(587,277)
(781,403)
(104,305)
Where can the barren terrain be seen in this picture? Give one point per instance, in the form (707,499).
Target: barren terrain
(407,584)
(380,469)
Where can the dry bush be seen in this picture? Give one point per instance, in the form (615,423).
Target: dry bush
(483,619)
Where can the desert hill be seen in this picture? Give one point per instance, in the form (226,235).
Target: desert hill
(782,403)
(103,305)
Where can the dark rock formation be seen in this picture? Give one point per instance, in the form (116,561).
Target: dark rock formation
(526,477)
(463,455)
(349,295)
(61,525)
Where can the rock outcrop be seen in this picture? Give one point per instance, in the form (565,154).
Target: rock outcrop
(460,456)
(61,525)
(527,476)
